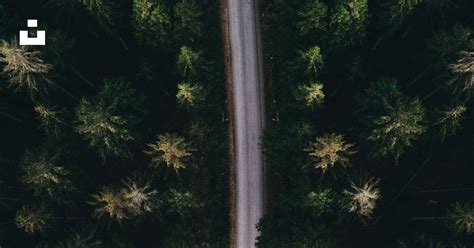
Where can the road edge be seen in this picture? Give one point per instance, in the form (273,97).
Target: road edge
(230,111)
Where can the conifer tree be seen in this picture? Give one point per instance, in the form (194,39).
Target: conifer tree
(170,149)
(109,121)
(328,150)
(25,69)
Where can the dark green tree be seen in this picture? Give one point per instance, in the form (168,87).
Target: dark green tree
(313,17)
(45,173)
(152,22)
(188,24)
(189,61)
(391,121)
(109,121)
(349,22)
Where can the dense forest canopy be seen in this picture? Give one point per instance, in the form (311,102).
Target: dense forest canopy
(371,136)
(114,134)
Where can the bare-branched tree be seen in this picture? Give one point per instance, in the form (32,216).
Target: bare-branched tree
(170,149)
(362,199)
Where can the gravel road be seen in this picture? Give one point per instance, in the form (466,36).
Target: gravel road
(249,113)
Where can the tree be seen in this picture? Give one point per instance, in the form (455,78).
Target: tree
(189,61)
(188,23)
(320,201)
(140,197)
(398,11)
(44,173)
(181,202)
(101,10)
(462,217)
(311,94)
(361,199)
(391,121)
(77,240)
(189,95)
(449,120)
(463,73)
(444,47)
(312,60)
(109,121)
(151,22)
(33,219)
(170,149)
(349,21)
(110,202)
(24,69)
(50,118)
(312,17)
(424,241)
(134,198)
(328,150)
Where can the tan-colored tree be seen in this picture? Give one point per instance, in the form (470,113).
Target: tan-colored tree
(133,199)
(44,173)
(449,120)
(328,150)
(24,68)
(33,219)
(463,73)
(189,95)
(140,197)
(311,94)
(110,202)
(462,217)
(170,149)
(361,199)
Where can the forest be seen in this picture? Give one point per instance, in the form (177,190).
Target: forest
(116,132)
(370,137)
(113,134)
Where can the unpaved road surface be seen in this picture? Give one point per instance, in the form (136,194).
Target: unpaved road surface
(249,113)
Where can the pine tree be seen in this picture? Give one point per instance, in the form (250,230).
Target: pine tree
(311,94)
(361,199)
(189,61)
(462,217)
(24,69)
(170,149)
(44,173)
(152,22)
(33,219)
(312,17)
(188,24)
(312,61)
(349,21)
(109,121)
(328,150)
(463,73)
(391,121)
(448,121)
(190,95)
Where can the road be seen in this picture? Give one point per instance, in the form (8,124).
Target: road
(249,113)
